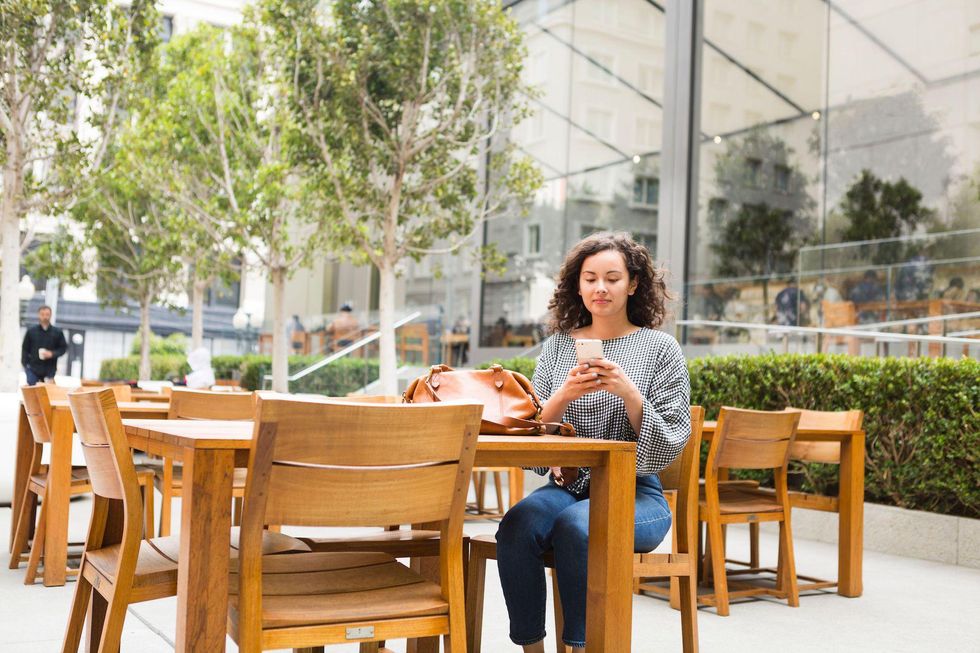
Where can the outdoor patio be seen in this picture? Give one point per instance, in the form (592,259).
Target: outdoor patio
(908,605)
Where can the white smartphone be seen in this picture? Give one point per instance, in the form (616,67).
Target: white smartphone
(586,349)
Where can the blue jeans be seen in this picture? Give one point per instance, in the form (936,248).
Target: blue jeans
(33,378)
(553,518)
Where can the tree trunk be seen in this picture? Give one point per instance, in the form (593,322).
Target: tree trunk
(386,308)
(197,313)
(280,348)
(145,335)
(10,261)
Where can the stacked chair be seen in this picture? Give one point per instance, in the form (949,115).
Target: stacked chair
(37,406)
(118,566)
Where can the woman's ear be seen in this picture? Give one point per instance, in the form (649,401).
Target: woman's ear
(633,285)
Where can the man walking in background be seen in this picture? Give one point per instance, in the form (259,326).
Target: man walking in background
(43,344)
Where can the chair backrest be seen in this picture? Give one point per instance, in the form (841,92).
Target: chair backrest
(122,392)
(365,464)
(824,452)
(37,405)
(57,392)
(111,471)
(751,439)
(838,314)
(682,476)
(204,404)
(99,426)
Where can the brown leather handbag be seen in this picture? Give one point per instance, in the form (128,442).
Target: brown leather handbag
(510,406)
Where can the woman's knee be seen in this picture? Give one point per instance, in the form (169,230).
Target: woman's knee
(527,524)
(572,528)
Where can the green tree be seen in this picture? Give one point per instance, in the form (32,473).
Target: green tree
(400,111)
(762,213)
(213,142)
(874,209)
(65,73)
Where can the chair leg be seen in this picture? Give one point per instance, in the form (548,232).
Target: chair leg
(716,543)
(22,528)
(112,625)
(319,649)
(76,617)
(788,566)
(754,545)
(365,647)
(475,581)
(560,646)
(688,590)
(498,482)
(481,490)
(167,496)
(37,547)
(149,520)
(97,610)
(236,511)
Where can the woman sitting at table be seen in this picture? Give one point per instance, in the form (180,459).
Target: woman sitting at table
(638,391)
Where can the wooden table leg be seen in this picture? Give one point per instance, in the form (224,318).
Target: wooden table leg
(612,490)
(850,550)
(202,577)
(22,469)
(58,495)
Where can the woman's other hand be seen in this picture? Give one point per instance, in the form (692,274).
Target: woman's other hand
(610,377)
(564,476)
(582,379)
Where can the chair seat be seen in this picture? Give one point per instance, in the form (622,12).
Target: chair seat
(328,588)
(79,479)
(738,499)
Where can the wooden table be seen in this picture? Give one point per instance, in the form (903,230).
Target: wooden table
(211,449)
(59,478)
(850,543)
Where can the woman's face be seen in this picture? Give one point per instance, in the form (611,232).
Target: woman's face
(604,284)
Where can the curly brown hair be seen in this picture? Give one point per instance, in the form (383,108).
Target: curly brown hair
(646,307)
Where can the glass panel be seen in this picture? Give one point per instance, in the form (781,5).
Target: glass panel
(596,134)
(839,173)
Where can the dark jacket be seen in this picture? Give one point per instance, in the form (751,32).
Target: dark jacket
(52,339)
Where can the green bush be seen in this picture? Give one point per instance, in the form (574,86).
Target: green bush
(921,417)
(165,367)
(173,345)
(227,366)
(333,380)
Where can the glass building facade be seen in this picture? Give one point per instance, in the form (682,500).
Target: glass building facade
(832,176)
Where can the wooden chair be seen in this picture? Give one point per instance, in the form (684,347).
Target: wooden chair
(748,439)
(118,567)
(812,452)
(200,404)
(336,451)
(39,414)
(681,478)
(414,339)
(515,484)
(836,315)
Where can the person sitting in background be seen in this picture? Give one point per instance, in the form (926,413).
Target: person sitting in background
(955,291)
(297,334)
(823,292)
(868,290)
(791,304)
(914,279)
(344,327)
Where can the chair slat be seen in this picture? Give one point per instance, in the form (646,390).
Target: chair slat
(359,497)
(203,404)
(752,454)
(347,433)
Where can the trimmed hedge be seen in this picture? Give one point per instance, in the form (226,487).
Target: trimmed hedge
(922,417)
(336,379)
(167,367)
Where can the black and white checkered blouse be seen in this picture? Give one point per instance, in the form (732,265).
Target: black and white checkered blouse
(654,362)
